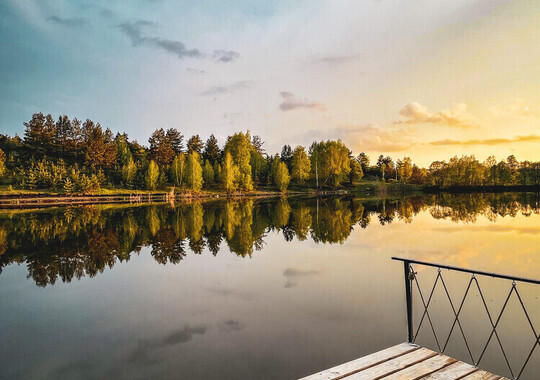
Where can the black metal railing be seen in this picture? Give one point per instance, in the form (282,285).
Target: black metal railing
(411,282)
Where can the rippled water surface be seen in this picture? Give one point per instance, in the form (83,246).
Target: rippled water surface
(267,289)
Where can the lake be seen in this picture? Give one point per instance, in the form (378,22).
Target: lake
(266,288)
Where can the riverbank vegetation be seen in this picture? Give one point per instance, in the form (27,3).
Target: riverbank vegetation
(80,157)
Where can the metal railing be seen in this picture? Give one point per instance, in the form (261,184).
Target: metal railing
(411,282)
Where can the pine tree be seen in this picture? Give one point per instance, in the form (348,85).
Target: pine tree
(69,186)
(175,139)
(161,148)
(195,144)
(287,155)
(211,149)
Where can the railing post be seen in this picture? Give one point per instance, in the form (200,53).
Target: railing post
(408,295)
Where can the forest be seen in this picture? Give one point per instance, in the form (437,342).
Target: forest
(71,156)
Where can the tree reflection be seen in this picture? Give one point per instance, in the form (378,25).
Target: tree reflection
(74,242)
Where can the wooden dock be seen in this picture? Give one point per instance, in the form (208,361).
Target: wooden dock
(405,361)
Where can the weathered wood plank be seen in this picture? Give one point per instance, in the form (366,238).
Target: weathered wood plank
(393,365)
(422,369)
(452,372)
(343,370)
(482,375)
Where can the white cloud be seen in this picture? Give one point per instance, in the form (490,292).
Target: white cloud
(457,116)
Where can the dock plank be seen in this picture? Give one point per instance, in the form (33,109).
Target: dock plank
(394,365)
(423,368)
(405,361)
(354,366)
(452,372)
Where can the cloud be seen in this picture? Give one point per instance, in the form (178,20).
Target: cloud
(225,56)
(290,102)
(219,90)
(196,71)
(229,292)
(230,325)
(294,275)
(133,29)
(519,109)
(416,113)
(107,13)
(367,137)
(336,59)
(145,346)
(69,21)
(497,141)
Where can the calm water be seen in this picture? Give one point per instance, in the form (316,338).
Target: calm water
(267,289)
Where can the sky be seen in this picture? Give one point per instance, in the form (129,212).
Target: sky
(425,79)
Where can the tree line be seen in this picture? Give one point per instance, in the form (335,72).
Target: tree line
(74,156)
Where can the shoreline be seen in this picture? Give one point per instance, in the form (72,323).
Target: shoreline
(43,200)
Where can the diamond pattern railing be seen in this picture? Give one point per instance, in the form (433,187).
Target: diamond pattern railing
(412,283)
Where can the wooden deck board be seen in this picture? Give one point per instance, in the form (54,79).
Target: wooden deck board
(452,372)
(405,361)
(343,370)
(388,367)
(423,368)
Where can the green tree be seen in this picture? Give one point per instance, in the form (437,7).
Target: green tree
(129,171)
(301,166)
(39,134)
(62,133)
(330,161)
(195,144)
(194,177)
(355,172)
(287,155)
(152,175)
(257,144)
(239,147)
(363,160)
(282,177)
(217,171)
(100,150)
(69,186)
(175,138)
(229,174)
(208,173)
(161,148)
(178,168)
(2,163)
(122,149)
(404,168)
(211,149)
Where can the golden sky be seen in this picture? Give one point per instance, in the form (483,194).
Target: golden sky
(425,79)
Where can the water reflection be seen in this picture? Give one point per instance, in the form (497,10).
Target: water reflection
(70,243)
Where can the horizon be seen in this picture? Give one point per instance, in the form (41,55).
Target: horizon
(385,77)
